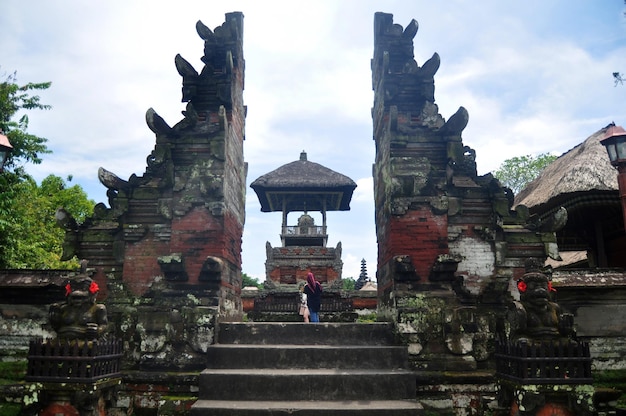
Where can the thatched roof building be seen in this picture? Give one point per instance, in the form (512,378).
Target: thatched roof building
(584,168)
(585,184)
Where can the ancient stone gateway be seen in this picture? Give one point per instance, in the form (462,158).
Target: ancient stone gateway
(167,251)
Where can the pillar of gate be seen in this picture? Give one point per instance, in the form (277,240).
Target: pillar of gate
(449,242)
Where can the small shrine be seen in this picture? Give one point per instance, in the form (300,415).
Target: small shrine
(76,372)
(541,366)
(303,186)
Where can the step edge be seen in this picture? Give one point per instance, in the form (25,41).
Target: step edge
(308,404)
(306,371)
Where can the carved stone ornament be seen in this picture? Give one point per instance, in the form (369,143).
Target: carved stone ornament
(79,317)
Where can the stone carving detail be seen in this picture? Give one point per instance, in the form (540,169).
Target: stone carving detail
(542,360)
(404,269)
(79,317)
(210,88)
(173,267)
(456,123)
(445,268)
(212,269)
(467,332)
(111,180)
(156,123)
(536,317)
(551,223)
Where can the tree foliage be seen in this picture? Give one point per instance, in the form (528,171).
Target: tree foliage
(29,235)
(519,171)
(13,98)
(348,283)
(248,281)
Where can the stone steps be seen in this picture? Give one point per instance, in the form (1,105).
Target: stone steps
(307,356)
(306,369)
(308,408)
(306,384)
(299,333)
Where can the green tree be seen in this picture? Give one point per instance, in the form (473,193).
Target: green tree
(33,240)
(348,283)
(250,281)
(26,147)
(519,171)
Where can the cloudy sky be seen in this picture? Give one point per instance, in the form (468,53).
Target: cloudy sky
(535,76)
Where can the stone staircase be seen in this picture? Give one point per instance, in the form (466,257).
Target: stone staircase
(306,369)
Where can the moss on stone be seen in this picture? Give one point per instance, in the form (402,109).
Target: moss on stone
(10,409)
(610,377)
(12,371)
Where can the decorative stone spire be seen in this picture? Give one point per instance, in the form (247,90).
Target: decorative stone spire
(362,277)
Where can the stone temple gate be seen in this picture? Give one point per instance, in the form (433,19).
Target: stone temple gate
(166,253)
(449,245)
(167,250)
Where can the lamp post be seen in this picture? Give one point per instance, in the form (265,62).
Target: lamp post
(615,143)
(5,149)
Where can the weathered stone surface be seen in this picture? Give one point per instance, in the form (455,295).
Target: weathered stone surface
(432,205)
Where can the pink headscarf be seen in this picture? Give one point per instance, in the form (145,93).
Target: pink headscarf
(312,283)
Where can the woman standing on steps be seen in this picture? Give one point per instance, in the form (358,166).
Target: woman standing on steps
(313,291)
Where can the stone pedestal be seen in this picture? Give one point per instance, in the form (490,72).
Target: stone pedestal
(74,399)
(548,399)
(543,376)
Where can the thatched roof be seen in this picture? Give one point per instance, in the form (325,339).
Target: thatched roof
(584,168)
(304,185)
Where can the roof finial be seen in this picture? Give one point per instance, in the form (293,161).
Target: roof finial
(303,155)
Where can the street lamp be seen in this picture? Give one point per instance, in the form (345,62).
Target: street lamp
(5,149)
(615,143)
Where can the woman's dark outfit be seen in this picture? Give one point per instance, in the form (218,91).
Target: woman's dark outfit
(313,292)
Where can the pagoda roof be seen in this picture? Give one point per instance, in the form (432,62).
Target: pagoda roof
(303,186)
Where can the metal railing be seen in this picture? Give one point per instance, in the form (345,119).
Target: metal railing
(313,230)
(544,362)
(73,361)
(290,302)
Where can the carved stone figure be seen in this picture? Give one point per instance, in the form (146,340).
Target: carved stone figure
(536,317)
(79,317)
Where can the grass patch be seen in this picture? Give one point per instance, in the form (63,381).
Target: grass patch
(369,318)
(610,378)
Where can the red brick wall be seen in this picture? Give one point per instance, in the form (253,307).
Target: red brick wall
(296,274)
(140,265)
(420,234)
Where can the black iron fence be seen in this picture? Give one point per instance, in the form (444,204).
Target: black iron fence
(290,302)
(73,361)
(544,362)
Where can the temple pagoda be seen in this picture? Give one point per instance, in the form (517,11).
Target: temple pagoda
(303,186)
